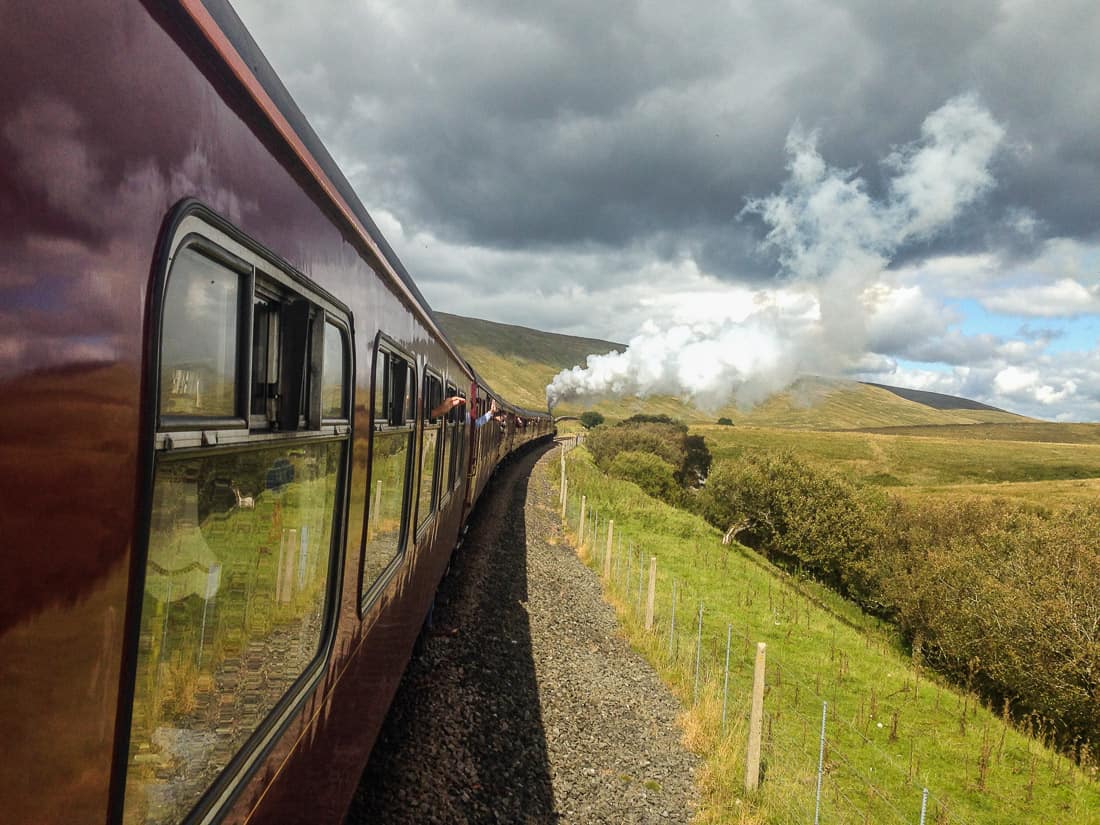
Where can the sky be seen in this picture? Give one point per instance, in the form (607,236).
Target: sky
(742,192)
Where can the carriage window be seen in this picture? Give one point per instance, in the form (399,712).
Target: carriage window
(456,428)
(234,599)
(198,360)
(429,450)
(381,378)
(391,463)
(458,468)
(265,357)
(333,385)
(243,524)
(410,396)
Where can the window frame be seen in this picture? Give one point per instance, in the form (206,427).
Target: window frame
(346,388)
(209,248)
(385,345)
(456,423)
(272,279)
(446,450)
(192,224)
(424,521)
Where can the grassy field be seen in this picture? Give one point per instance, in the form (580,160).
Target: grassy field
(1040,431)
(892,729)
(1060,464)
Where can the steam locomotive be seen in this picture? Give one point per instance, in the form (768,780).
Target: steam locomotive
(229,493)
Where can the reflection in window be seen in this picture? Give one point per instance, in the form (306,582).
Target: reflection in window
(426,501)
(198,365)
(389,471)
(332,376)
(239,558)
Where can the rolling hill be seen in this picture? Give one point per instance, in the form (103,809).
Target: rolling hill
(519,362)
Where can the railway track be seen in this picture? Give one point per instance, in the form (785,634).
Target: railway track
(523,704)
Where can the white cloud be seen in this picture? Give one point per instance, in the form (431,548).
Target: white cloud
(1015,380)
(834,241)
(1065,298)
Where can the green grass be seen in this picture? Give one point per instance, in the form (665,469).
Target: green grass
(892,730)
(1041,431)
(927,462)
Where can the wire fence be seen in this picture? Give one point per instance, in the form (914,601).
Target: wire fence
(830,754)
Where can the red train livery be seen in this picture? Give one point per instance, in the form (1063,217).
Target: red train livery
(226,504)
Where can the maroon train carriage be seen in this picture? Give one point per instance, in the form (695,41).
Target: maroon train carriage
(225,507)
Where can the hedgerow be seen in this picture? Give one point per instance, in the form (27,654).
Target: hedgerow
(1003,598)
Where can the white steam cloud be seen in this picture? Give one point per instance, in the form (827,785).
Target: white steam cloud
(833,241)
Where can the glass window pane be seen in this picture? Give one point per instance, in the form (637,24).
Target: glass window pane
(305,380)
(265,357)
(426,501)
(458,460)
(198,358)
(381,408)
(332,374)
(389,473)
(444,457)
(410,395)
(232,614)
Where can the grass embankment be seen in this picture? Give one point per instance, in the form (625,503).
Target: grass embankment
(892,729)
(1044,464)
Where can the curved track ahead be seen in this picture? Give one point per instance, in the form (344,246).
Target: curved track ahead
(523,704)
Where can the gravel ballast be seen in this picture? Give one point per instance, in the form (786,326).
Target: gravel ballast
(524,704)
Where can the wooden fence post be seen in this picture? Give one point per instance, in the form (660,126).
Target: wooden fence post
(652,592)
(563,471)
(607,555)
(580,531)
(756,722)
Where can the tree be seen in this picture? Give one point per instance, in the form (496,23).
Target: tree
(591,418)
(801,515)
(697,460)
(728,422)
(655,477)
(660,436)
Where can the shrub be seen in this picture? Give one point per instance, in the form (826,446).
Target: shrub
(1004,599)
(591,418)
(665,439)
(655,476)
(998,595)
(726,421)
(802,516)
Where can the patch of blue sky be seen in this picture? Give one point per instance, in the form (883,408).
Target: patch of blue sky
(1081,334)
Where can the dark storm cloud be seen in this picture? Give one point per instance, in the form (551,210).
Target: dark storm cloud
(546,125)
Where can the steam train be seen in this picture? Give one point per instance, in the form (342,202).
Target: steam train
(228,492)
